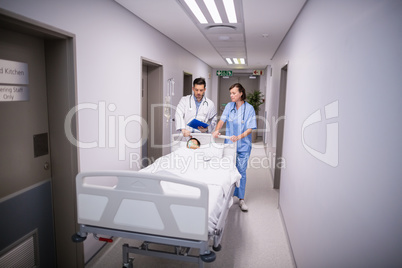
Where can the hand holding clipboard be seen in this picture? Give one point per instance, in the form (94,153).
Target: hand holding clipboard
(197,123)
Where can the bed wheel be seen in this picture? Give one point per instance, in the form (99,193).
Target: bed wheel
(208,257)
(77,238)
(129,264)
(218,248)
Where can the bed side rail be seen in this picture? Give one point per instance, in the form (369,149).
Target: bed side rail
(137,203)
(205,138)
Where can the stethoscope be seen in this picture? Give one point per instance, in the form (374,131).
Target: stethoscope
(244,110)
(203,98)
(205,102)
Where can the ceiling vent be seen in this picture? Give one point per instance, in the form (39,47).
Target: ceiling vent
(221,27)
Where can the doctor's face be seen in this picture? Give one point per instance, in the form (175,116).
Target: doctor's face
(199,91)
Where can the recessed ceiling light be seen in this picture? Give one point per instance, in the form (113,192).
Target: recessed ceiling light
(196,11)
(230,10)
(236,61)
(229,60)
(213,10)
(242,61)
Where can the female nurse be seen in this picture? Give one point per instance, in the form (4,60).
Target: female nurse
(240,120)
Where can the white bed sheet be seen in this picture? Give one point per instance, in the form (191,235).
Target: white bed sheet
(218,173)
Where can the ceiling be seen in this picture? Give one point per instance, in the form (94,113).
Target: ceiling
(261,27)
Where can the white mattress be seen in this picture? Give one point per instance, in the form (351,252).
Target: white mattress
(218,173)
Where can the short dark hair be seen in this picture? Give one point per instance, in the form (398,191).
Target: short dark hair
(241,89)
(194,139)
(200,81)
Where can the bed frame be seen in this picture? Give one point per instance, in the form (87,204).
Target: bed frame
(136,207)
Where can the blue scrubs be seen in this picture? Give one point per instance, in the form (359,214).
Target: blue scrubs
(237,122)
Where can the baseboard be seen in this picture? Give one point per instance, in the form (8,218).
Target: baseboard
(287,236)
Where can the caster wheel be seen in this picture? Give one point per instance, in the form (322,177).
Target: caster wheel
(129,264)
(208,257)
(77,238)
(218,248)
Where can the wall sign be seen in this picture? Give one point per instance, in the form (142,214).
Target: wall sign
(257,72)
(14,80)
(224,73)
(14,93)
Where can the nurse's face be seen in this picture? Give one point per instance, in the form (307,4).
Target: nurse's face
(235,95)
(199,91)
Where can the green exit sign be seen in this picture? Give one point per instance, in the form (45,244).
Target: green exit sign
(224,73)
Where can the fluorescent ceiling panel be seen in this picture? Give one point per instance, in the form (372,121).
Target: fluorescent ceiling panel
(196,11)
(213,10)
(230,10)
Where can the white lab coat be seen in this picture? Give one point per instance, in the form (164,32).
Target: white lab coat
(187,110)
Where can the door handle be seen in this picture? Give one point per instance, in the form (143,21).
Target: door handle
(46,166)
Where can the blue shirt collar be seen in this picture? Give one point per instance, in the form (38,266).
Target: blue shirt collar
(197,103)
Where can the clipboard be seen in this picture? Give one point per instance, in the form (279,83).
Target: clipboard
(197,123)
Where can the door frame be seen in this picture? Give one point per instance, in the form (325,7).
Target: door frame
(60,57)
(280,131)
(187,83)
(154,107)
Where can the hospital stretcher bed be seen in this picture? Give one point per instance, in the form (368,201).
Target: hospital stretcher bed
(184,206)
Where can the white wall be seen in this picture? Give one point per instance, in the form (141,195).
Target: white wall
(348,214)
(110,42)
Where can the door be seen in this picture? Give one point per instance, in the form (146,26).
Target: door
(25,152)
(26,122)
(187,84)
(144,111)
(280,127)
(152,111)
(38,164)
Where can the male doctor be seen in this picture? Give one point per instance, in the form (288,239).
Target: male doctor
(196,106)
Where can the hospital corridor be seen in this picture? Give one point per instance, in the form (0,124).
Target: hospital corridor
(252,239)
(125,126)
